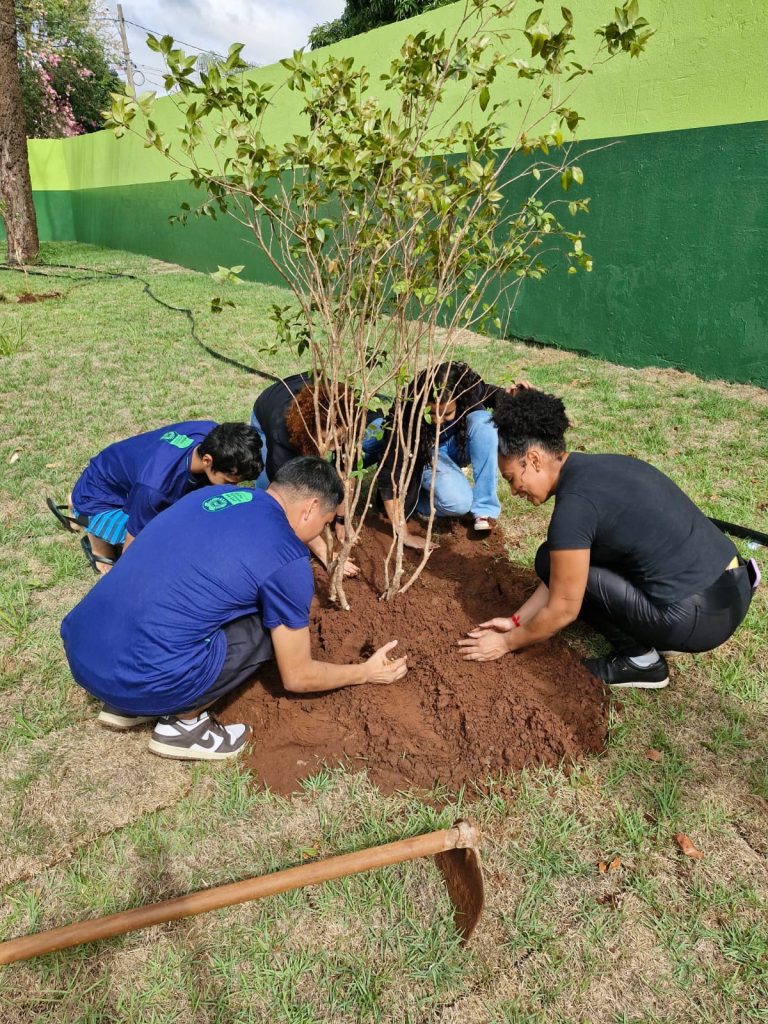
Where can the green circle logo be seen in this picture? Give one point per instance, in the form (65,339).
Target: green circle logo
(227,500)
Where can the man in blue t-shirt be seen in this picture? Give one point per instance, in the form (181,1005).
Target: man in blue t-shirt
(128,483)
(211,590)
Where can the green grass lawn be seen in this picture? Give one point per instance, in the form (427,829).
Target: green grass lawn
(91,823)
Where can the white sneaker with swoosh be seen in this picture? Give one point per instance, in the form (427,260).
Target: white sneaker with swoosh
(199,739)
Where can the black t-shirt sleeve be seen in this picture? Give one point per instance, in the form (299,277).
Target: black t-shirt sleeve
(270,409)
(574,524)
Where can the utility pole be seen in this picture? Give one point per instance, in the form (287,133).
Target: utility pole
(126,54)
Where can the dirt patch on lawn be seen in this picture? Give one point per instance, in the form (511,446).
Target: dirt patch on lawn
(28,297)
(448,721)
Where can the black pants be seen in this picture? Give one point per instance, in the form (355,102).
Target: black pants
(249,645)
(633,623)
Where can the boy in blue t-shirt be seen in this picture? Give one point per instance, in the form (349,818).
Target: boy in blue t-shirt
(211,590)
(128,483)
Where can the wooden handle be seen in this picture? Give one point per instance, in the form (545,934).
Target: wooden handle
(462,835)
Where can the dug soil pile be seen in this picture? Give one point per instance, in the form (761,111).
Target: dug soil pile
(448,721)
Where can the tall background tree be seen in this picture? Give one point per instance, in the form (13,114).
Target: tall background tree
(363,15)
(16,209)
(67,59)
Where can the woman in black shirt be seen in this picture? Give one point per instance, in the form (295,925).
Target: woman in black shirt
(626,550)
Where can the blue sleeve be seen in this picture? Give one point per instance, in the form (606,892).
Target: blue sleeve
(574,523)
(286,595)
(143,504)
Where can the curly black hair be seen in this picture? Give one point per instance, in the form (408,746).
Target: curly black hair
(530,418)
(454,381)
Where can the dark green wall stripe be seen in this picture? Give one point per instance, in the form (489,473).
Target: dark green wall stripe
(678,232)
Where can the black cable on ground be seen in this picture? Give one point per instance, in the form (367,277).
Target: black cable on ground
(94,274)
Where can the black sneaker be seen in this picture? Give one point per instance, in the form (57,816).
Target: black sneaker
(206,740)
(617,671)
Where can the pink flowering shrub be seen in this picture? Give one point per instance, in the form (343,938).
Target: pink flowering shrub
(67,62)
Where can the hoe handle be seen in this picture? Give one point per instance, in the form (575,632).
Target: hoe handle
(462,835)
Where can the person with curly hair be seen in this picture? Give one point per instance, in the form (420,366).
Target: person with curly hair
(285,415)
(626,550)
(460,404)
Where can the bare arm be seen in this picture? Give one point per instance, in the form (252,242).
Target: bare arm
(300,673)
(128,541)
(400,523)
(546,612)
(319,549)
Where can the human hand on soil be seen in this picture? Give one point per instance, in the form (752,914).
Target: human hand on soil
(416,542)
(500,624)
(351,568)
(381,669)
(484,645)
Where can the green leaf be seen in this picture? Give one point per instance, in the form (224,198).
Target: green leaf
(485,96)
(532,18)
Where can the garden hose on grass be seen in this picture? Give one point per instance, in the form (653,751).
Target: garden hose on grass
(743,532)
(94,274)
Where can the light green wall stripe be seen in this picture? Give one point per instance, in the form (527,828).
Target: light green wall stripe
(705,66)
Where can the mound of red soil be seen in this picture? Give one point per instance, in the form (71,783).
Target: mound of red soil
(448,721)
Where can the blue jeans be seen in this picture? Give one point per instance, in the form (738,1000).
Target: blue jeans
(454,494)
(373,446)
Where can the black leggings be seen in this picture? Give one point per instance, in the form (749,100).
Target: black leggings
(633,623)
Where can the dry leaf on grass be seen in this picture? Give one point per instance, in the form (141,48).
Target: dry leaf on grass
(654,755)
(14,457)
(687,846)
(614,865)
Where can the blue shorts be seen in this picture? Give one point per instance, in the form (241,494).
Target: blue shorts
(110,526)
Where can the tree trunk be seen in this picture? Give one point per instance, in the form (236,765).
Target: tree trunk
(16,208)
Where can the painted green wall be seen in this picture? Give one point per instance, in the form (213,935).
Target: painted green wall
(678,210)
(678,231)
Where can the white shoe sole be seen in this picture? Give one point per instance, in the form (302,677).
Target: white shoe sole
(180,754)
(639,685)
(114,720)
(482,528)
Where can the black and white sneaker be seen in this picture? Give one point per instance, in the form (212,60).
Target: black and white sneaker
(617,671)
(200,739)
(115,719)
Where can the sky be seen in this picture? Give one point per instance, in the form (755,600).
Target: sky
(270,30)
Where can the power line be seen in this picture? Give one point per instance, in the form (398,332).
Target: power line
(158,33)
(154,32)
